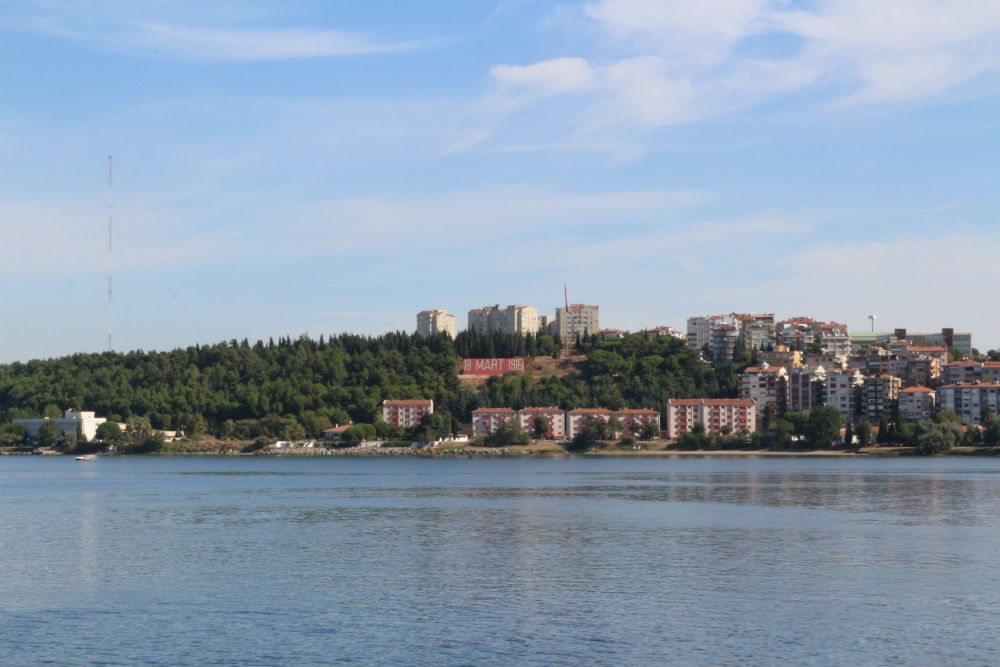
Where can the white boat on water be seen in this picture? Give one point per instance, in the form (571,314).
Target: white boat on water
(82,458)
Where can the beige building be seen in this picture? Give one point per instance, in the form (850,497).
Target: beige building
(684,413)
(633,420)
(843,389)
(556,417)
(575,418)
(580,321)
(916,403)
(766,386)
(781,355)
(431,322)
(406,413)
(486,421)
(514,320)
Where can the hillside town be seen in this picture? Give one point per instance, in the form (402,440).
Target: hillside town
(794,365)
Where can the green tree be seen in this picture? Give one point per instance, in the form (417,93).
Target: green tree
(824,426)
(509,433)
(936,438)
(48,432)
(863,429)
(650,431)
(947,416)
(540,426)
(110,433)
(883,431)
(848,435)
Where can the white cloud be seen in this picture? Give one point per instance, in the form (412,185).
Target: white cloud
(666,62)
(248,44)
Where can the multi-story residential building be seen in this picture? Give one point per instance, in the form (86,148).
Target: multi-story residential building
(580,320)
(843,390)
(881,395)
(781,355)
(916,403)
(756,330)
(659,332)
(947,338)
(514,320)
(575,418)
(766,386)
(806,387)
(431,322)
(968,400)
(962,372)
(683,413)
(833,338)
(991,372)
(699,331)
(72,421)
(798,333)
(555,417)
(406,413)
(486,421)
(633,420)
(723,341)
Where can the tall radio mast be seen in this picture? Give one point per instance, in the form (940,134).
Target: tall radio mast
(109,254)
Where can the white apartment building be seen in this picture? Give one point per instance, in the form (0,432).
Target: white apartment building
(431,322)
(72,421)
(580,321)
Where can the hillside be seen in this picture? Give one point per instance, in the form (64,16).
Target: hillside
(299,387)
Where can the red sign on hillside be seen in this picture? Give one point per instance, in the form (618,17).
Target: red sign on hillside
(492,366)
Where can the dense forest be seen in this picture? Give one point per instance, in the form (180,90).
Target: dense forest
(246,390)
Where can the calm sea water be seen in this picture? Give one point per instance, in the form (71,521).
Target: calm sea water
(247,561)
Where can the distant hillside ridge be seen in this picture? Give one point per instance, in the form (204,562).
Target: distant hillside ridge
(242,388)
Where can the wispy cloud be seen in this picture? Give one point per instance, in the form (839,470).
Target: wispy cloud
(254,44)
(667,62)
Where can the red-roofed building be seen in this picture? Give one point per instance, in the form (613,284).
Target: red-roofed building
(916,403)
(486,421)
(406,413)
(575,418)
(684,413)
(555,416)
(633,420)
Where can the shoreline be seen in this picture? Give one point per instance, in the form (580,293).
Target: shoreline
(531,451)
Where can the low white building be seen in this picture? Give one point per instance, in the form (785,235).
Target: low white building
(70,422)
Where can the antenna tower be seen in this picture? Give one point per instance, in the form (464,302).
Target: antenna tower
(109,254)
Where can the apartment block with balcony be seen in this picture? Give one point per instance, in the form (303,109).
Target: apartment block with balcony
(684,413)
(633,420)
(576,418)
(486,421)
(580,320)
(781,355)
(843,390)
(881,395)
(514,320)
(766,386)
(806,388)
(555,417)
(916,403)
(962,372)
(406,413)
(431,322)
(968,400)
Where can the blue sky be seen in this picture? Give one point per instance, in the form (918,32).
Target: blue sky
(283,168)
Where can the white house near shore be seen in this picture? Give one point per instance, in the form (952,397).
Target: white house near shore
(71,420)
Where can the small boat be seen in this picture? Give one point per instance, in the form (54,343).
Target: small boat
(82,458)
